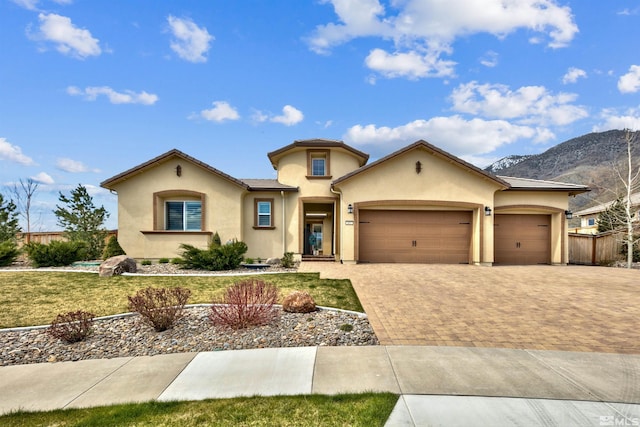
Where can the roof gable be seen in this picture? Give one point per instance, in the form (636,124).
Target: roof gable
(174,153)
(421,144)
(318,143)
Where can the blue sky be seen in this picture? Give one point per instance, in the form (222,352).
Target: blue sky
(89,89)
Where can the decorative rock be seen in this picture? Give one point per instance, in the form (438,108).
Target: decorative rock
(117,265)
(273,261)
(298,302)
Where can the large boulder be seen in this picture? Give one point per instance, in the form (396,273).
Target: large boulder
(117,265)
(298,302)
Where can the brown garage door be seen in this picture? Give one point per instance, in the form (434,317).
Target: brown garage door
(436,237)
(522,239)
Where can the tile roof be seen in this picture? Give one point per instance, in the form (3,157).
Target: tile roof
(524,184)
(635,201)
(267,185)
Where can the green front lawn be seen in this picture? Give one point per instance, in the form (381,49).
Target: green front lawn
(35,298)
(369,409)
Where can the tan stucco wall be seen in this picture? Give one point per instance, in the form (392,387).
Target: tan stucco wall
(440,185)
(541,202)
(292,170)
(266,243)
(222,209)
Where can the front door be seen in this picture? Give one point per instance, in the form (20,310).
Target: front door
(315,239)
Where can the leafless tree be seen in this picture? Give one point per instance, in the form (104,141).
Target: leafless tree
(23,192)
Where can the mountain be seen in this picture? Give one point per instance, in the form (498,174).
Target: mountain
(506,162)
(590,159)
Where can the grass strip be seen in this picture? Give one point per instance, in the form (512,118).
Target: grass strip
(366,409)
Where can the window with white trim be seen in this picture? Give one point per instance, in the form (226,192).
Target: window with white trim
(183,215)
(591,222)
(263,213)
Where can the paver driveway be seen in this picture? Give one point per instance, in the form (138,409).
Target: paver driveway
(567,308)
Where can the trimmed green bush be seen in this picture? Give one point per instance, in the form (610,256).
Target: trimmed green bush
(8,253)
(287,260)
(145,262)
(163,261)
(216,258)
(56,253)
(113,248)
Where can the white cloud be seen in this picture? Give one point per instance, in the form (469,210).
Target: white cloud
(27,4)
(13,153)
(290,116)
(630,82)
(455,134)
(68,39)
(428,28)
(490,59)
(613,119)
(43,178)
(573,74)
(259,117)
(73,166)
(220,112)
(190,42)
(528,104)
(412,65)
(91,93)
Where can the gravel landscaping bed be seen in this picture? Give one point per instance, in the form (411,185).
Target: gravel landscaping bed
(128,335)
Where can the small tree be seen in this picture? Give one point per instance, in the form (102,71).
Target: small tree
(9,226)
(23,192)
(82,221)
(113,248)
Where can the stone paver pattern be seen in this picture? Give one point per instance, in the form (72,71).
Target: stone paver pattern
(567,308)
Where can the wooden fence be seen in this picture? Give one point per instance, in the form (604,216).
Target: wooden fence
(46,237)
(594,249)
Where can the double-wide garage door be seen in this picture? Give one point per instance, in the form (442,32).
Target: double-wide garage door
(436,237)
(522,239)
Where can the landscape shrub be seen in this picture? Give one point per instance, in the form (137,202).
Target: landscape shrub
(55,254)
(225,257)
(145,262)
(177,261)
(161,308)
(247,303)
(113,248)
(72,327)
(8,253)
(287,260)
(163,261)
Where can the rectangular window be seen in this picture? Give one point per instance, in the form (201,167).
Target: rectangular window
(184,216)
(592,221)
(318,166)
(263,213)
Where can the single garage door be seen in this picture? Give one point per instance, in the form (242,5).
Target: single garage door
(428,237)
(522,239)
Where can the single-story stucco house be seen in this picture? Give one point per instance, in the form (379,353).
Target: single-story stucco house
(419,204)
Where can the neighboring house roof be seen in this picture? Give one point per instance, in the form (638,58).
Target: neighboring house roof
(268,185)
(526,184)
(109,183)
(435,151)
(274,156)
(635,201)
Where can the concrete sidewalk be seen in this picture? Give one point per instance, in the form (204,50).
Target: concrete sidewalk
(439,385)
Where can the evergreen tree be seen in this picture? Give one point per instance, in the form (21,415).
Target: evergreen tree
(9,226)
(613,217)
(82,221)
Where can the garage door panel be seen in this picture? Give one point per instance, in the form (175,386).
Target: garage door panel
(414,236)
(522,239)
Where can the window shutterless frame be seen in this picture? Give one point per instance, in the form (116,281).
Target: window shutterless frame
(183,215)
(263,216)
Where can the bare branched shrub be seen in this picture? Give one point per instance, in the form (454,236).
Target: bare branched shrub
(160,307)
(72,327)
(247,303)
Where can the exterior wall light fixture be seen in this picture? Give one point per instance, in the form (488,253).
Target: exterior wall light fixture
(350,208)
(487,211)
(568,214)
